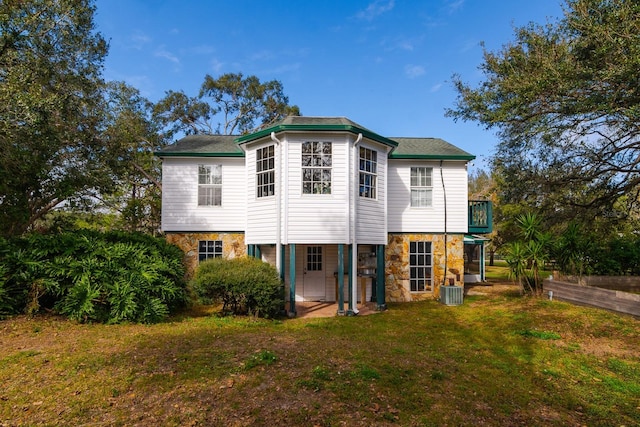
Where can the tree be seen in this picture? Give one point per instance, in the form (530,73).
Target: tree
(231,104)
(527,255)
(565,103)
(50,108)
(132,135)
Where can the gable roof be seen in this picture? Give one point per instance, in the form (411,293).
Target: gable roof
(203,146)
(229,145)
(428,148)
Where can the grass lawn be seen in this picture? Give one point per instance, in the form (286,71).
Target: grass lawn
(499,359)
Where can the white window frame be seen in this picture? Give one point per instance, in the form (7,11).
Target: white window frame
(208,249)
(420,266)
(317,163)
(368,173)
(421,185)
(209,185)
(265,171)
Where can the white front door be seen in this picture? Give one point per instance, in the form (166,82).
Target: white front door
(314,274)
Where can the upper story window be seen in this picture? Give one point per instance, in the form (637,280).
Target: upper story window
(265,171)
(368,172)
(421,187)
(209,185)
(316,167)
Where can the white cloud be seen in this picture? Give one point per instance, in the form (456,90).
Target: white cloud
(161,52)
(436,87)
(413,71)
(216,65)
(454,5)
(139,40)
(375,9)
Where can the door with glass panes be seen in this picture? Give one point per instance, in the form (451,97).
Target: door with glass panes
(314,273)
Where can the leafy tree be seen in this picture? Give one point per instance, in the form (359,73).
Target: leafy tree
(565,103)
(231,104)
(132,135)
(50,108)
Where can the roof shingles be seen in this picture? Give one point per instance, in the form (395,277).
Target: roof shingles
(228,145)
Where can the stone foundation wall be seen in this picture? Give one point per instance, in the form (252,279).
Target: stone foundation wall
(397,265)
(232,246)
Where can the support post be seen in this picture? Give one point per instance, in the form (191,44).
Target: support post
(282,263)
(381,304)
(352,279)
(257,253)
(340,279)
(292,280)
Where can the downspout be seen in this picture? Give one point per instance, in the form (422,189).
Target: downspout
(278,207)
(353,309)
(444,193)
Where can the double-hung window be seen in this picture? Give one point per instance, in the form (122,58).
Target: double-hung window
(420,267)
(265,171)
(209,185)
(316,167)
(368,173)
(209,249)
(421,187)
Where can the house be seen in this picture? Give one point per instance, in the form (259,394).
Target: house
(345,214)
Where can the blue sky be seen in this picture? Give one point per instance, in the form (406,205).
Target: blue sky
(385,64)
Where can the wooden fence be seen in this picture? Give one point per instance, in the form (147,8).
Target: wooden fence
(622,302)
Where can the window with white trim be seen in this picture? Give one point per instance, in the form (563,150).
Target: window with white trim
(368,173)
(209,185)
(209,249)
(421,187)
(420,266)
(265,171)
(316,167)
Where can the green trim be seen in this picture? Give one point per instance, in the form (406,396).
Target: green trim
(318,128)
(469,157)
(186,154)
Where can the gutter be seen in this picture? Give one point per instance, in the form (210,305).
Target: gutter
(353,309)
(278,204)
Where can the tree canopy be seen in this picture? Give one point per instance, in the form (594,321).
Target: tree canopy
(231,104)
(564,99)
(50,107)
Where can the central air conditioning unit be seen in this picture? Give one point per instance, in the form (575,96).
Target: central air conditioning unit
(451,295)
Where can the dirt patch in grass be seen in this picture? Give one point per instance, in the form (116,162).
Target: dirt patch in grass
(499,359)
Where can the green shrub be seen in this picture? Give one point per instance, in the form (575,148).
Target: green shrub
(243,285)
(93,276)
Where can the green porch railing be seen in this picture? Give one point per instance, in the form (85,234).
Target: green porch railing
(480,216)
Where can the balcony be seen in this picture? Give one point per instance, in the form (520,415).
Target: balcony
(480,216)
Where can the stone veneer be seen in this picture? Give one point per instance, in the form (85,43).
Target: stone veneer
(232,246)
(397,265)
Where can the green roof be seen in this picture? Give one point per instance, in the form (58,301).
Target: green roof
(428,148)
(229,145)
(203,146)
(317,124)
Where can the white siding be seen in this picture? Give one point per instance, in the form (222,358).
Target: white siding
(261,212)
(316,218)
(371,224)
(402,218)
(180,210)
